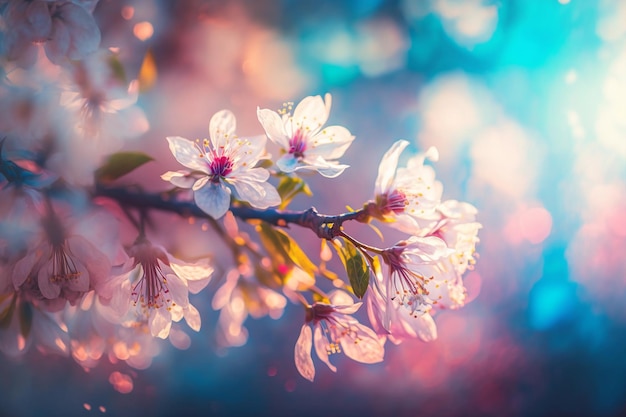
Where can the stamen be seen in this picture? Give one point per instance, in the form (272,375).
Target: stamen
(63,266)
(151,290)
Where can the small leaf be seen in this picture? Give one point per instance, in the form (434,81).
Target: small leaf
(277,241)
(356,267)
(117,68)
(120,164)
(289,187)
(147,73)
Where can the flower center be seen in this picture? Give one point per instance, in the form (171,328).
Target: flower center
(395,201)
(151,290)
(63,266)
(408,287)
(297,144)
(220,167)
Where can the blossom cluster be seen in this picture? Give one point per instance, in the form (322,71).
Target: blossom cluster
(71,284)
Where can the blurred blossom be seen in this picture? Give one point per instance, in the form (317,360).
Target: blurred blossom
(67,30)
(240,296)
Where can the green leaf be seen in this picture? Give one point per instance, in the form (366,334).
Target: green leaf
(289,187)
(120,164)
(277,241)
(356,267)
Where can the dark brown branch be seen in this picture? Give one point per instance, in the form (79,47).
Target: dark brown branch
(324,226)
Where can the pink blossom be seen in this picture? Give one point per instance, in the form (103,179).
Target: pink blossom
(305,142)
(226,162)
(405,195)
(334,331)
(153,286)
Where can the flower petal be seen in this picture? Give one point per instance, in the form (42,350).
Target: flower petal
(192,317)
(85,34)
(274,128)
(321,347)
(388,166)
(178,291)
(181,179)
(258,194)
(186,152)
(48,289)
(160,322)
(311,114)
(222,128)
(362,345)
(331,142)
(213,199)
(302,353)
(197,275)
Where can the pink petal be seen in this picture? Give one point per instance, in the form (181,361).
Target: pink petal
(365,347)
(302,353)
(160,322)
(321,347)
(192,317)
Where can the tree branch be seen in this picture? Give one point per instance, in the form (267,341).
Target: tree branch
(324,226)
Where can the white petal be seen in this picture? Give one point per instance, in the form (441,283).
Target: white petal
(197,275)
(424,326)
(222,128)
(178,291)
(310,114)
(160,322)
(192,317)
(365,347)
(388,166)
(258,194)
(213,199)
(331,142)
(321,346)
(273,126)
(287,163)
(302,353)
(180,179)
(186,152)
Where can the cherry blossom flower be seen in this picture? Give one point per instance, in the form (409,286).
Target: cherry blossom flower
(65,29)
(225,162)
(63,263)
(456,225)
(399,302)
(394,322)
(335,330)
(307,145)
(154,287)
(404,195)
